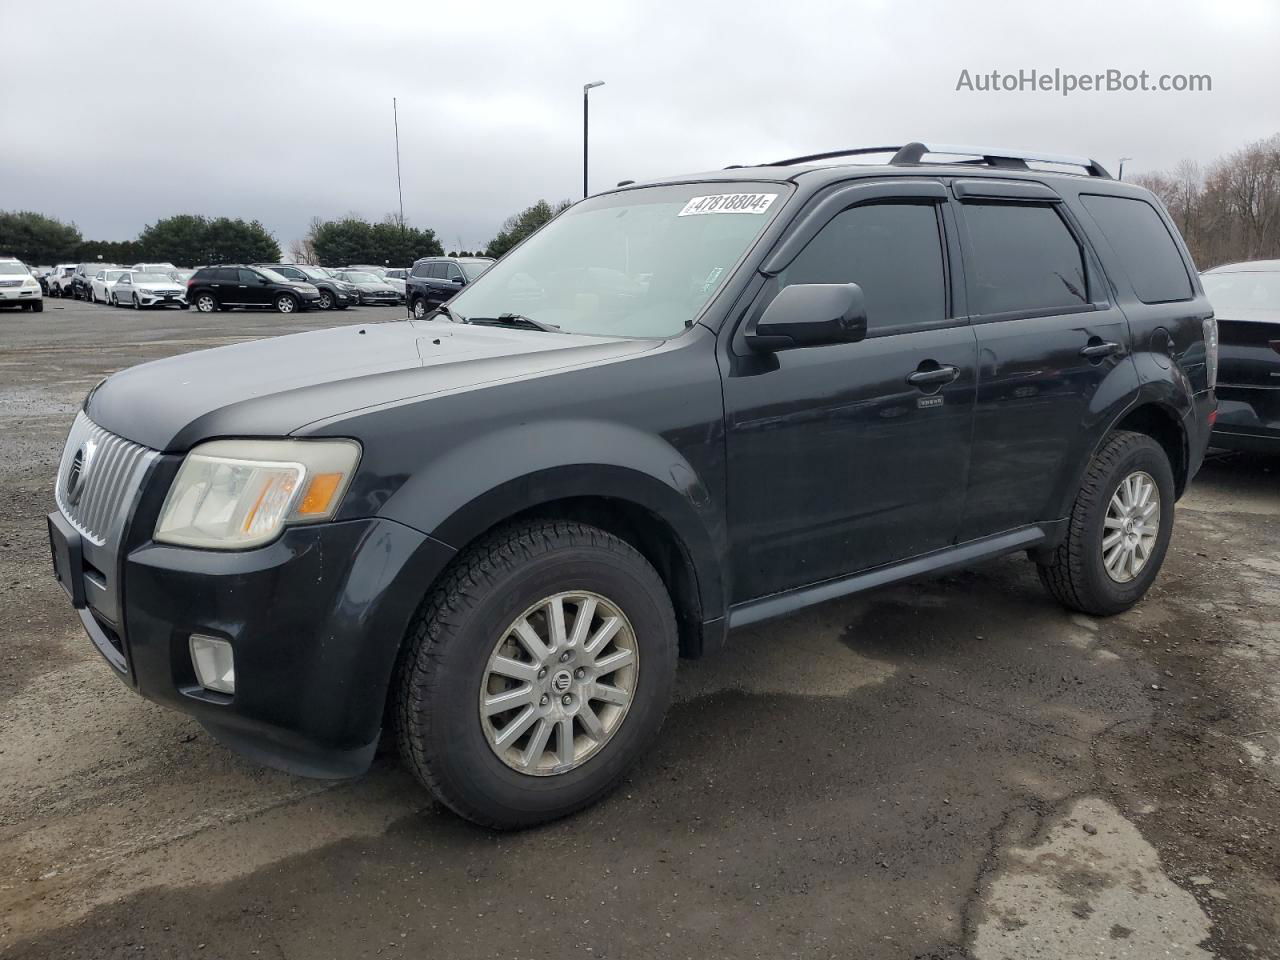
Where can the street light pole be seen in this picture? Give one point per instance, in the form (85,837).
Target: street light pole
(1120,175)
(585,88)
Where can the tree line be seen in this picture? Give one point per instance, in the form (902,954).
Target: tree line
(191,240)
(1228,211)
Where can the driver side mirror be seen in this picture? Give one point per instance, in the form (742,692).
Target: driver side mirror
(459,280)
(811,315)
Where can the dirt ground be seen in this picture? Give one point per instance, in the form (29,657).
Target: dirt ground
(955,768)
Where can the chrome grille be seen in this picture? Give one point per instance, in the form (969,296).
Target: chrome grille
(10,283)
(98,475)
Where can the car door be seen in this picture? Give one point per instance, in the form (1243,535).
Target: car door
(124,289)
(849,456)
(254,290)
(454,280)
(1048,335)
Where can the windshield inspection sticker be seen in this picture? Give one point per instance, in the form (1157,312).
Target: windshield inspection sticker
(728,203)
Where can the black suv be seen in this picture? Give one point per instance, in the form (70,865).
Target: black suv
(679,408)
(334,294)
(238,285)
(434,280)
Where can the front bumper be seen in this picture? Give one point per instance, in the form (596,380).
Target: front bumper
(1248,419)
(315,620)
(386,299)
(162,300)
(19,294)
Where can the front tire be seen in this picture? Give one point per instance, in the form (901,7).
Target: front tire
(509,705)
(37,307)
(326,300)
(136,304)
(1119,529)
(286,304)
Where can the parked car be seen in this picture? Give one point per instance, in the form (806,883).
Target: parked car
(42,277)
(166,268)
(1246,300)
(498,528)
(238,285)
(140,288)
(103,283)
(335,294)
(434,280)
(18,288)
(81,286)
(398,278)
(369,287)
(60,280)
(390,276)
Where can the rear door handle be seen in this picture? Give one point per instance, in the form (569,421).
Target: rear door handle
(1095,351)
(933,377)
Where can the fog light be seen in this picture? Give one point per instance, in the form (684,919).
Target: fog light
(214,662)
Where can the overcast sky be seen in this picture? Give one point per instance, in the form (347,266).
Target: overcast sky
(280,111)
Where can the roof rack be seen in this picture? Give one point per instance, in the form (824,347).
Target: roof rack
(915,152)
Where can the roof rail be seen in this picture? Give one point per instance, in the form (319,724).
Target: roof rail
(915,152)
(998,157)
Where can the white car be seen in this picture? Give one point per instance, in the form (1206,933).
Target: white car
(60,280)
(140,288)
(18,288)
(165,268)
(103,282)
(396,277)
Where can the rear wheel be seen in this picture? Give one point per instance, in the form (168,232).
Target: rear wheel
(206,303)
(535,674)
(1119,528)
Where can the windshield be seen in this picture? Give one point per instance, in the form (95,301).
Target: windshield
(275,277)
(356,276)
(315,273)
(1246,290)
(473,268)
(113,274)
(12,269)
(640,263)
(152,278)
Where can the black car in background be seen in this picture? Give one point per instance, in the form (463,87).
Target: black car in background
(1246,301)
(335,294)
(433,280)
(239,285)
(81,285)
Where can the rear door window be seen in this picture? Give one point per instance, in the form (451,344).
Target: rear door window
(1143,246)
(1022,258)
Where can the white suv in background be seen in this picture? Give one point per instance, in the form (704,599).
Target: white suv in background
(18,287)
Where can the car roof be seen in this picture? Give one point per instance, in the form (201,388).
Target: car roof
(1247,266)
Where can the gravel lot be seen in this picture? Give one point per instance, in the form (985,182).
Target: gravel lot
(954,768)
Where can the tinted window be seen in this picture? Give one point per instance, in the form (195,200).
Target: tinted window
(436,271)
(420,270)
(1022,257)
(1143,246)
(248,276)
(892,250)
(451,271)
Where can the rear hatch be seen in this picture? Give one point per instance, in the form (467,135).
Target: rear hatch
(1249,352)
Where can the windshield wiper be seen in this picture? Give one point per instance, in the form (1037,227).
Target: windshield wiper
(517,320)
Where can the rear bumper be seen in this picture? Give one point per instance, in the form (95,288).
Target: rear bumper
(315,621)
(1248,419)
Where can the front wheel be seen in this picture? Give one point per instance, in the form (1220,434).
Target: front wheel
(37,307)
(535,674)
(326,300)
(419,308)
(286,304)
(1118,531)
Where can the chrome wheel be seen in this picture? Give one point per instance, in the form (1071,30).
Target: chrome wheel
(1131,526)
(206,304)
(559,683)
(325,302)
(285,304)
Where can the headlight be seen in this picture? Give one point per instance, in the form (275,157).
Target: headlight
(234,494)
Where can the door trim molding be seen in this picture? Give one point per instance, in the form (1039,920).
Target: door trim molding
(939,561)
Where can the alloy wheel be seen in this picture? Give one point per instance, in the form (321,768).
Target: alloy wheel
(1131,526)
(559,683)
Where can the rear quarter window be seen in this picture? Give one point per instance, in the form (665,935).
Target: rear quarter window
(1143,247)
(1022,258)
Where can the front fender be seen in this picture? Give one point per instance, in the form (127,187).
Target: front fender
(528,465)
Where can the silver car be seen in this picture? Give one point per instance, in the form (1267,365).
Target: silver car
(370,287)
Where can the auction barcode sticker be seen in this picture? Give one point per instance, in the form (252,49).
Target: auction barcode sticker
(728,203)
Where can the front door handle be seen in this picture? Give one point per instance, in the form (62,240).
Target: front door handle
(933,376)
(1097,349)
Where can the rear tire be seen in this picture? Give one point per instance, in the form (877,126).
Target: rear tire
(466,624)
(207,303)
(1088,571)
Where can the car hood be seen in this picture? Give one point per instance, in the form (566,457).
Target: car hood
(275,387)
(371,286)
(1250,314)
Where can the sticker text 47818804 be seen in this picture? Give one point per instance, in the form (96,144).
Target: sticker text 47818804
(728,203)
